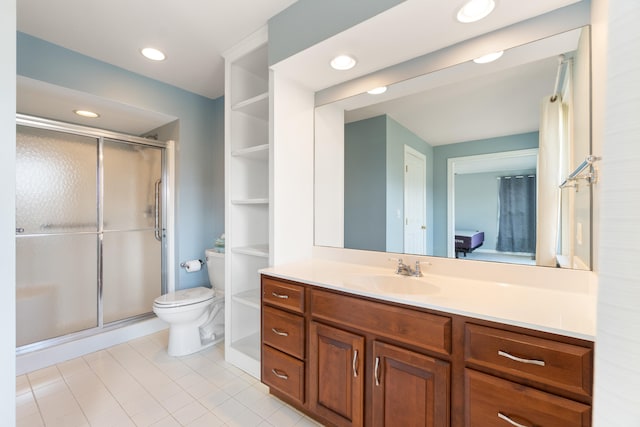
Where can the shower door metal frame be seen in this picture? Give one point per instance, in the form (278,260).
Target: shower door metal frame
(100,135)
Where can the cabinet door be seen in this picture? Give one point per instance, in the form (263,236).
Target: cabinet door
(409,389)
(336,360)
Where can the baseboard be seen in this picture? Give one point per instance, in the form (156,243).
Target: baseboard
(39,359)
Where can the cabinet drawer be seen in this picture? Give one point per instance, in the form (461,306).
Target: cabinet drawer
(283,373)
(554,363)
(491,401)
(283,294)
(284,331)
(416,328)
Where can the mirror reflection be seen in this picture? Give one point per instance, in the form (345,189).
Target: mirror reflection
(464,162)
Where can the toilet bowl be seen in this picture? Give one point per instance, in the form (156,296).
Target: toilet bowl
(196,315)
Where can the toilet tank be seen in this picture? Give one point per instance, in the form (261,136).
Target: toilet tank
(215,269)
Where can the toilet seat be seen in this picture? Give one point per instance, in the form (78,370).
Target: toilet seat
(184,297)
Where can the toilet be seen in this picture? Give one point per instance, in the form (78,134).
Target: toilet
(196,315)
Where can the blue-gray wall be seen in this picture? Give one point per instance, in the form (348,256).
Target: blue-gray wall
(200,145)
(470,148)
(374,182)
(308,22)
(365,197)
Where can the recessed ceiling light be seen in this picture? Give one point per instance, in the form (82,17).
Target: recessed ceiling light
(86,113)
(343,62)
(475,10)
(489,57)
(377,90)
(153,54)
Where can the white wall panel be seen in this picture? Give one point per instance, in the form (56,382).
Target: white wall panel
(7,213)
(617,380)
(292,166)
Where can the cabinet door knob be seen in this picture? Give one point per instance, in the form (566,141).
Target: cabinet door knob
(509,420)
(279,375)
(281,333)
(521,360)
(281,296)
(376,371)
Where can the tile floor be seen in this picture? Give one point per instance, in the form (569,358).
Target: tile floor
(137,384)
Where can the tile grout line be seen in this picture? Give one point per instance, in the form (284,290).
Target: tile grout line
(159,370)
(191,371)
(86,417)
(106,386)
(143,352)
(116,360)
(35,399)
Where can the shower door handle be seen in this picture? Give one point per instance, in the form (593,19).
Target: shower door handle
(158,231)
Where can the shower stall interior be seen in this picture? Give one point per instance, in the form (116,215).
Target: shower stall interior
(90,250)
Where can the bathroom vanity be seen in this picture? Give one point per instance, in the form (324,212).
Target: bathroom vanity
(359,346)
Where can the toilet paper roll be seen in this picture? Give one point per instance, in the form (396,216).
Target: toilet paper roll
(193,265)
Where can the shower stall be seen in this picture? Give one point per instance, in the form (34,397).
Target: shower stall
(90,246)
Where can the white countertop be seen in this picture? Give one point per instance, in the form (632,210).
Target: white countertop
(565,312)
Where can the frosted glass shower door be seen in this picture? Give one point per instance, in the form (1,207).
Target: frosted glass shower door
(132,240)
(56,234)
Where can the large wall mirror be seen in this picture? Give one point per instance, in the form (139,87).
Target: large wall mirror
(466,161)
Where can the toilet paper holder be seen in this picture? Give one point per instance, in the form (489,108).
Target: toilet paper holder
(184,264)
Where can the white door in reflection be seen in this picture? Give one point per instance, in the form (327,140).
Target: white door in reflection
(415,217)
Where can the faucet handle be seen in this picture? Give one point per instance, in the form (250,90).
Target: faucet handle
(418,271)
(400,264)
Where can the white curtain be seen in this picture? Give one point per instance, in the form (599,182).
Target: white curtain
(567,196)
(553,134)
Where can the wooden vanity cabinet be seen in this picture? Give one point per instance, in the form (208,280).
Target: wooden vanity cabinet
(525,379)
(353,361)
(369,363)
(283,339)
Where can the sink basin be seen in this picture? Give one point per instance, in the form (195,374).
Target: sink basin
(393,284)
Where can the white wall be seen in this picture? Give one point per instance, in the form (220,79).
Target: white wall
(7,213)
(617,363)
(291,160)
(329,176)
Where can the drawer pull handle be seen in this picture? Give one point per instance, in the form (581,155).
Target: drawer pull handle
(354,364)
(279,375)
(509,420)
(521,360)
(281,296)
(277,332)
(376,371)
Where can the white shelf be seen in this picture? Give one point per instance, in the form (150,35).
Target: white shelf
(258,106)
(247,197)
(253,250)
(249,298)
(257,152)
(249,346)
(257,201)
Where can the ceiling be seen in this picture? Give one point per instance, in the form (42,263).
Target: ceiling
(472,101)
(194,35)
(408,30)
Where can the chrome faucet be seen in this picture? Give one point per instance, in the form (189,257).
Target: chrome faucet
(406,270)
(403,269)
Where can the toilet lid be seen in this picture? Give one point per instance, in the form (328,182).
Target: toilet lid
(185,296)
